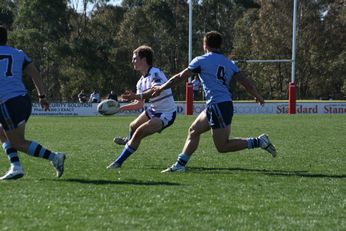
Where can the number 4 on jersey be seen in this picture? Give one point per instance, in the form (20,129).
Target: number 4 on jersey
(221,74)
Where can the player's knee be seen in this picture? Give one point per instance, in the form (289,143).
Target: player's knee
(221,148)
(136,136)
(139,134)
(192,131)
(132,126)
(19,145)
(2,137)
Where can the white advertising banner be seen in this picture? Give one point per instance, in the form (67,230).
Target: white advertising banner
(245,108)
(66,109)
(242,108)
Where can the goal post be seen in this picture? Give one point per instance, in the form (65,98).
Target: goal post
(292,84)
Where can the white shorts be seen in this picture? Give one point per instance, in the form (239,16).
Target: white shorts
(167,118)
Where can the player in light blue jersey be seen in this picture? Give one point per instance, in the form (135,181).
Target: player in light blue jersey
(216,72)
(159,115)
(15,109)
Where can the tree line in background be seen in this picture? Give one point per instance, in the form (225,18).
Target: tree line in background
(92,50)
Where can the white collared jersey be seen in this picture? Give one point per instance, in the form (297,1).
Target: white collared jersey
(12,64)
(163,102)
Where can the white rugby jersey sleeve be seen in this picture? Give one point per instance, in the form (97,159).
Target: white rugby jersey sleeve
(157,79)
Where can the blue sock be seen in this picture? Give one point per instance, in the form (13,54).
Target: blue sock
(12,154)
(182,159)
(253,143)
(125,153)
(37,150)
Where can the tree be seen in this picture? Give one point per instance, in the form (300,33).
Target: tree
(42,25)
(160,25)
(7,9)
(92,48)
(100,66)
(329,56)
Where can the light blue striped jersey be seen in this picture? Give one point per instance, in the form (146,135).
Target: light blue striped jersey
(215,71)
(12,64)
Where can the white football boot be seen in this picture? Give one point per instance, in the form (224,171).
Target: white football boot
(267,145)
(58,163)
(174,168)
(14,173)
(114,165)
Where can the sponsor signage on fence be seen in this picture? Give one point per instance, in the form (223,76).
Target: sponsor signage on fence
(66,109)
(89,109)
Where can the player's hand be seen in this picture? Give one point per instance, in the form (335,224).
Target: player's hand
(156,91)
(128,95)
(259,100)
(44,104)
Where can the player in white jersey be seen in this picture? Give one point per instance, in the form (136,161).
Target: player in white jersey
(159,115)
(216,72)
(15,109)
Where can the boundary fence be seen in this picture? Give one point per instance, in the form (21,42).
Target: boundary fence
(241,108)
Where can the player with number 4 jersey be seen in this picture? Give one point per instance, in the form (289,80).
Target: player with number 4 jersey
(216,72)
(211,65)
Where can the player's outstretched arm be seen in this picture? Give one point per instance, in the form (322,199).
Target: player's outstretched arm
(135,105)
(249,87)
(183,75)
(138,100)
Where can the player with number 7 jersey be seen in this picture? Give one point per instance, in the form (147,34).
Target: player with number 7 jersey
(12,63)
(15,109)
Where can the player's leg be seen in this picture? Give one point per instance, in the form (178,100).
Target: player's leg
(148,128)
(9,150)
(220,116)
(142,118)
(224,144)
(32,148)
(15,171)
(263,142)
(17,111)
(198,127)
(128,150)
(156,123)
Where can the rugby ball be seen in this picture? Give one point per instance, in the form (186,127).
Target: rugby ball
(108,107)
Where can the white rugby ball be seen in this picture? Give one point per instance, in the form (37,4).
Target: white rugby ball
(108,107)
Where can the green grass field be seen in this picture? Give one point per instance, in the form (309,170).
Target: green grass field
(304,188)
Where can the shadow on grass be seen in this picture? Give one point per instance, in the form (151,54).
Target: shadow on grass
(120,182)
(265,172)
